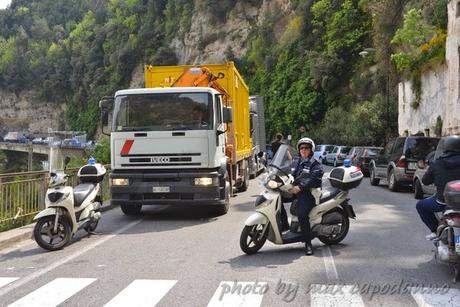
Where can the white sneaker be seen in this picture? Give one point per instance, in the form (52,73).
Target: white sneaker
(431,236)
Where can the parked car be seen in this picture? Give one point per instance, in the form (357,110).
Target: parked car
(364,157)
(338,154)
(353,153)
(70,143)
(269,152)
(420,169)
(321,151)
(37,140)
(397,163)
(12,137)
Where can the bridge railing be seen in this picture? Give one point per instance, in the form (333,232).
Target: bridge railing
(22,195)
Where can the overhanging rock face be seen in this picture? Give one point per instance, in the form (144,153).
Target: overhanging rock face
(440,89)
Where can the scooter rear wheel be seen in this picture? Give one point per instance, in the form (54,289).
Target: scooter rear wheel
(253,238)
(45,236)
(336,239)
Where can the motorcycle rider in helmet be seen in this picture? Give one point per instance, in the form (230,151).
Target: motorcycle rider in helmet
(302,186)
(446,168)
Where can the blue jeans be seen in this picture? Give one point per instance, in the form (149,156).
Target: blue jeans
(426,208)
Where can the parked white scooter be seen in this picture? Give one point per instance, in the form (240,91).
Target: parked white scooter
(329,219)
(70,209)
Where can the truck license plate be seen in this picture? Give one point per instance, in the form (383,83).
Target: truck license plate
(160,189)
(457,244)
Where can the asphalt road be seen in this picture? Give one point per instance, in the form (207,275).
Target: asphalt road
(190,257)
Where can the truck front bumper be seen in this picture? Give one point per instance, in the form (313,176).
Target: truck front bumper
(168,188)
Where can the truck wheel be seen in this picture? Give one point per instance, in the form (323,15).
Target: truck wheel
(418,191)
(223,209)
(374,181)
(392,183)
(131,209)
(245,184)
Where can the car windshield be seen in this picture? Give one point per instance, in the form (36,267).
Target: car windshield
(163,112)
(418,148)
(345,150)
(282,159)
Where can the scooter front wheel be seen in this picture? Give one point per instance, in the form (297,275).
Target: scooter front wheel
(47,238)
(253,238)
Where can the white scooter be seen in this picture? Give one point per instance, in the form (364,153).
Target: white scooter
(329,219)
(70,209)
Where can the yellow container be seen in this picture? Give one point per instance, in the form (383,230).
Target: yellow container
(239,136)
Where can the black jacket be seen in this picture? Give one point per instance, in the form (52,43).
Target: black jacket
(313,180)
(440,172)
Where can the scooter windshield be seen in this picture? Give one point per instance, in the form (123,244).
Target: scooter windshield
(282,160)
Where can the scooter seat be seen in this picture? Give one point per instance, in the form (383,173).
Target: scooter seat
(328,194)
(81,191)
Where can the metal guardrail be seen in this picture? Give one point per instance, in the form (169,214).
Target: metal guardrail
(23,194)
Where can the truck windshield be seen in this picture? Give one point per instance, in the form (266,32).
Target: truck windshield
(163,112)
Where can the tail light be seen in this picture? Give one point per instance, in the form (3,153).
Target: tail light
(453,220)
(455,186)
(402,162)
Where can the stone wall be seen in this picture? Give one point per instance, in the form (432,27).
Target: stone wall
(440,89)
(27,113)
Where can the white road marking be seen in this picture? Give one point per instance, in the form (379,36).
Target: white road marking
(335,296)
(436,297)
(331,270)
(238,294)
(60,262)
(6,280)
(54,293)
(142,292)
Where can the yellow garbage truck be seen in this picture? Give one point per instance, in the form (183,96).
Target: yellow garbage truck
(184,139)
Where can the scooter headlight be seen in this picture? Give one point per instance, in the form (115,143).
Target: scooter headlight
(272,184)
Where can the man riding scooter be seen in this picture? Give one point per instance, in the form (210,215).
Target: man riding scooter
(440,172)
(302,186)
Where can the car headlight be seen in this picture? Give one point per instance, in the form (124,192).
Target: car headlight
(272,184)
(206,181)
(120,181)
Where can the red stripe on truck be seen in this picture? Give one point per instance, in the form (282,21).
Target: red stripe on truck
(126,147)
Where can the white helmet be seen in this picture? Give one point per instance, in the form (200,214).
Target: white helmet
(306,141)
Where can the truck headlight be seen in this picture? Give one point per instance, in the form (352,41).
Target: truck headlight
(120,181)
(204,181)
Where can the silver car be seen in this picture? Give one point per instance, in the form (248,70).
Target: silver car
(321,151)
(337,155)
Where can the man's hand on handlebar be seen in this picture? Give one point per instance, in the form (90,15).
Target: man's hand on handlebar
(295,189)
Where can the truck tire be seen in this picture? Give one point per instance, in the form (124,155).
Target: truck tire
(245,184)
(131,209)
(223,209)
(392,183)
(374,181)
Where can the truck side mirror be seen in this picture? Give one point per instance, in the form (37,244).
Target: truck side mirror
(105,104)
(227,115)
